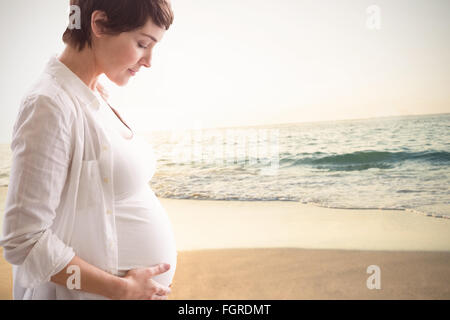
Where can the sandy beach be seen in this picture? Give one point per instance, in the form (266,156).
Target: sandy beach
(289,250)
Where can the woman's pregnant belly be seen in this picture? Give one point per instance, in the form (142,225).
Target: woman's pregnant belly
(144,235)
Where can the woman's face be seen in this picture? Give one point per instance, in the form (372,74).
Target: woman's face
(122,56)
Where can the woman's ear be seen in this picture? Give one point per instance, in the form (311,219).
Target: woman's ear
(98,19)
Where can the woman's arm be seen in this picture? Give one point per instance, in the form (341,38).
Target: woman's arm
(137,284)
(92,279)
(41,148)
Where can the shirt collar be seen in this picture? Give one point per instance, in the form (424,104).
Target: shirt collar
(72,82)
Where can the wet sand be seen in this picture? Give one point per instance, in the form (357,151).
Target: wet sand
(288,250)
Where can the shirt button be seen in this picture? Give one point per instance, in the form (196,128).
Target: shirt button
(105,148)
(108,211)
(106,180)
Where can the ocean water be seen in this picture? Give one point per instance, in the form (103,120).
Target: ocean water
(400,163)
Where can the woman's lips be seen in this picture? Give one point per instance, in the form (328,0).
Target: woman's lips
(133,73)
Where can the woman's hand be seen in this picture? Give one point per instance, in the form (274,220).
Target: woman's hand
(138,284)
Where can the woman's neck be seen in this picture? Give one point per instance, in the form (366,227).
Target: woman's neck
(82,63)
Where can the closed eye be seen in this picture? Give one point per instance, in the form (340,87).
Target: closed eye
(141,46)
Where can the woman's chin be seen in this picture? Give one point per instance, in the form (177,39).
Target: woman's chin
(121,82)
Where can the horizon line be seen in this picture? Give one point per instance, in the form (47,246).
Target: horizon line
(281,124)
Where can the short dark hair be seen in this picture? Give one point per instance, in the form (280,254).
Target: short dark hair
(123,16)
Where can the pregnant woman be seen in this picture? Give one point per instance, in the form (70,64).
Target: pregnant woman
(81,221)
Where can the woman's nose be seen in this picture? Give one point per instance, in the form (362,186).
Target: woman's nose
(147,61)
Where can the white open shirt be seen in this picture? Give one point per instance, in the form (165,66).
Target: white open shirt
(60,198)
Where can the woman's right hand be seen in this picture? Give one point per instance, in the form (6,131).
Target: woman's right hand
(138,284)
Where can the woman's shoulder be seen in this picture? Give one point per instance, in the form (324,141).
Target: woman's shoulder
(43,111)
(47,94)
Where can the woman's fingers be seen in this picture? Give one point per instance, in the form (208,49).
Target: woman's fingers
(160,289)
(158,269)
(141,285)
(163,291)
(161,294)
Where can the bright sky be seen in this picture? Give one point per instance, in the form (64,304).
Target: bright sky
(252,62)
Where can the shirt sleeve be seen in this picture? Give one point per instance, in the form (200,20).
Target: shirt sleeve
(41,156)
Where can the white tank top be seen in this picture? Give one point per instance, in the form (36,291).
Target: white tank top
(144,232)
